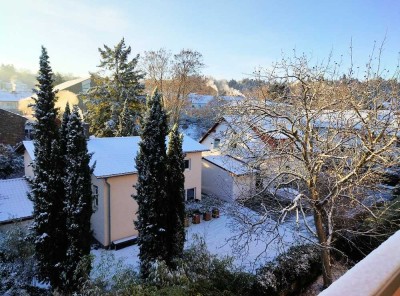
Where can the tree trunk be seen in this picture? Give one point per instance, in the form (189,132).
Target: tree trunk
(325,253)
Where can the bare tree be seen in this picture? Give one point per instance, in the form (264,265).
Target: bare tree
(174,75)
(329,136)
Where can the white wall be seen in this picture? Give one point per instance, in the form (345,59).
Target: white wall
(243,186)
(28,165)
(218,133)
(99,219)
(216,181)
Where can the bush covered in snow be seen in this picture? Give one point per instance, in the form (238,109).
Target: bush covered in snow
(197,273)
(11,164)
(17,263)
(289,272)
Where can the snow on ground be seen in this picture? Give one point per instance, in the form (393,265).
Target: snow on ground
(218,235)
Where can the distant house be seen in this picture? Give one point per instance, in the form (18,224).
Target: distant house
(241,137)
(199,101)
(14,128)
(234,142)
(113,183)
(15,207)
(66,92)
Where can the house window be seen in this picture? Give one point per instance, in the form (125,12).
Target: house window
(186,164)
(190,194)
(216,143)
(95,201)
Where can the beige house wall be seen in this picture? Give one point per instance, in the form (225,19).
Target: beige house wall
(193,175)
(123,206)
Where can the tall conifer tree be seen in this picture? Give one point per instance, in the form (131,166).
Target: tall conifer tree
(78,202)
(151,186)
(175,196)
(117,84)
(47,187)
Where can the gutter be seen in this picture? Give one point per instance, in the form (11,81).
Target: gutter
(109,210)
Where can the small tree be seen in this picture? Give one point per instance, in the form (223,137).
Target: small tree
(175,196)
(175,76)
(117,83)
(47,187)
(78,201)
(151,186)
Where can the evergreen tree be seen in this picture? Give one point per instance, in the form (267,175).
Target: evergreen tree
(117,82)
(126,124)
(78,202)
(151,186)
(47,187)
(175,196)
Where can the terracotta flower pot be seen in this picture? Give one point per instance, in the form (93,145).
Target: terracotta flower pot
(215,213)
(187,222)
(207,216)
(196,219)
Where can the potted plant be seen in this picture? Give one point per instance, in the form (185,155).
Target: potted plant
(187,221)
(196,218)
(215,213)
(207,215)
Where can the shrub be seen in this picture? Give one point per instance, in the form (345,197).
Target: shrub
(18,265)
(289,272)
(366,234)
(11,164)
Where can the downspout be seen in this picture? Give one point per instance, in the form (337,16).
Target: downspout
(109,210)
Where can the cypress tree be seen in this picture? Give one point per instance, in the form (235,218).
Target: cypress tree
(175,196)
(78,202)
(151,186)
(47,187)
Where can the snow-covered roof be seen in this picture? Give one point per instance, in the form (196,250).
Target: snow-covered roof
(230,164)
(6,96)
(14,202)
(60,86)
(255,126)
(70,83)
(200,99)
(115,156)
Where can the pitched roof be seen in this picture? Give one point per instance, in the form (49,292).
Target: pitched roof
(248,125)
(115,156)
(230,164)
(70,83)
(14,202)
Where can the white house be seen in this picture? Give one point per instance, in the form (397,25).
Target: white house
(113,183)
(234,143)
(199,101)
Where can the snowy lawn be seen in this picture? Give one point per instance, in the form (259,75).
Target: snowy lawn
(223,238)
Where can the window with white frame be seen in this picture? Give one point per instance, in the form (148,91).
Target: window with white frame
(95,201)
(186,164)
(191,194)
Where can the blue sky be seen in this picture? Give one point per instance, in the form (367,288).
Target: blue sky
(233,36)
